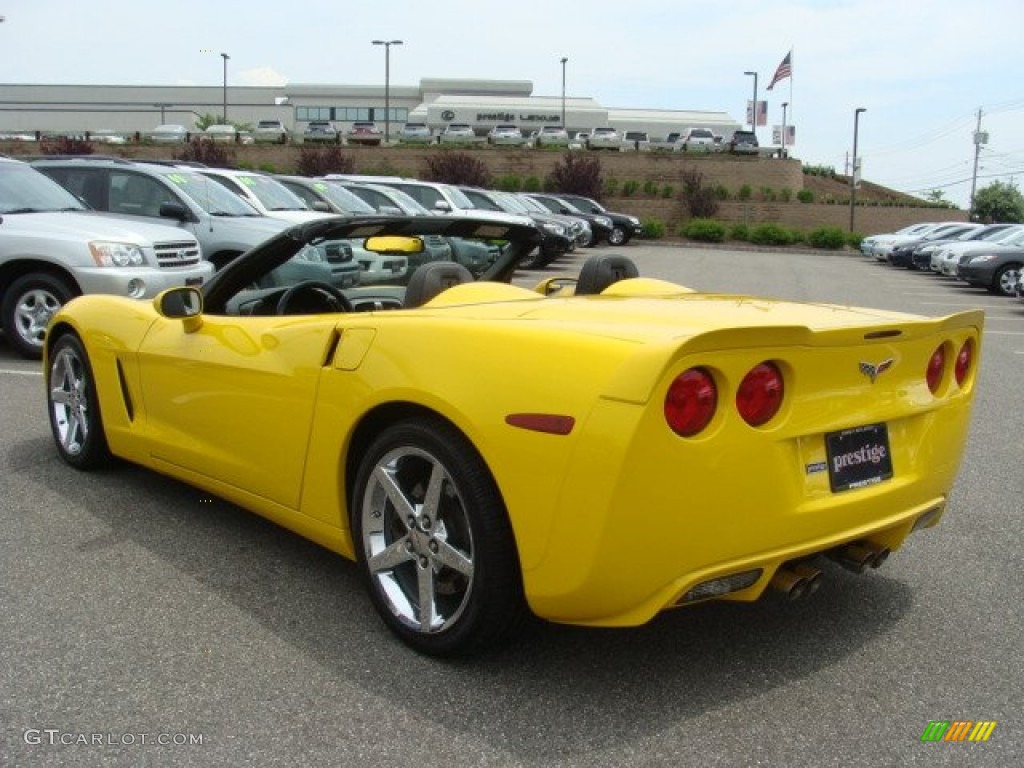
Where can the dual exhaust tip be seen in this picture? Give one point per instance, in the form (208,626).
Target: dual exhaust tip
(796,580)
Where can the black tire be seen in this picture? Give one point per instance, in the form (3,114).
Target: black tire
(28,305)
(618,236)
(1004,282)
(534,260)
(73,407)
(429,521)
(222,259)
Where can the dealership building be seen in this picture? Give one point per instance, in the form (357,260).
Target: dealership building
(436,102)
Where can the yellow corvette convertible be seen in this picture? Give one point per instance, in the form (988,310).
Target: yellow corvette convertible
(594,451)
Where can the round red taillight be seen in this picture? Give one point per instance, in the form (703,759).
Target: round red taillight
(964,362)
(691,402)
(759,396)
(936,368)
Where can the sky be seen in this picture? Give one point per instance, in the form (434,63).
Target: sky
(922,69)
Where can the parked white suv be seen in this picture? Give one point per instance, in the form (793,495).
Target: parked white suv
(696,140)
(635,141)
(270,131)
(604,138)
(53,249)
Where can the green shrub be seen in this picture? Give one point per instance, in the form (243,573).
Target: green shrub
(532,184)
(740,232)
(268,168)
(805,196)
(510,183)
(721,192)
(830,238)
(611,187)
(785,194)
(653,228)
(650,188)
(853,240)
(704,230)
(745,192)
(820,170)
(667,191)
(630,187)
(767,194)
(770,234)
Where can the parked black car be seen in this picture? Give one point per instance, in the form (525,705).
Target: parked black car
(555,237)
(600,223)
(624,226)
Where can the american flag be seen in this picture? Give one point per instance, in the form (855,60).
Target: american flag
(785,70)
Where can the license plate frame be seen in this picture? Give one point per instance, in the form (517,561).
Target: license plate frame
(858,457)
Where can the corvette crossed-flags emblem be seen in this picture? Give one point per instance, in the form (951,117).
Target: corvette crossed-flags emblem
(874,371)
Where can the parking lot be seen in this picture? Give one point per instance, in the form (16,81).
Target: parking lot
(148,623)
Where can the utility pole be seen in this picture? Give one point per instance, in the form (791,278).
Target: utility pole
(980,138)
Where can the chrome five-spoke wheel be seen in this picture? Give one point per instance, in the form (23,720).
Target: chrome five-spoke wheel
(434,540)
(74,410)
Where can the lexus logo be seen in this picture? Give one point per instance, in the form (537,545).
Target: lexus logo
(447,115)
(182,255)
(874,371)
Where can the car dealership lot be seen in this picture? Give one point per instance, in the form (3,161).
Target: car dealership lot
(140,606)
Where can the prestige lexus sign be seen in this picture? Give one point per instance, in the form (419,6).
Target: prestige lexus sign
(511,117)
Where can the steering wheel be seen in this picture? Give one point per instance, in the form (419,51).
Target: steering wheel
(312,297)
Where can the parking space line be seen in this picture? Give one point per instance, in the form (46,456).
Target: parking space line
(958,304)
(13,372)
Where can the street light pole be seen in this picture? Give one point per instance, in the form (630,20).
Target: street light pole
(224,114)
(564,60)
(753,110)
(856,165)
(387,85)
(784,105)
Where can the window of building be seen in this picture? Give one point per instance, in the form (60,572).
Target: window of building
(312,113)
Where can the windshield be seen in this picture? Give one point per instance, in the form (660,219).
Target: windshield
(26,190)
(211,196)
(457,196)
(389,197)
(1015,237)
(533,205)
(343,198)
(510,203)
(272,194)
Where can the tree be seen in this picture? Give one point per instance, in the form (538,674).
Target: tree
(999,202)
(204,122)
(937,196)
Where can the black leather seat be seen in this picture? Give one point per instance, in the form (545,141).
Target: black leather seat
(602,270)
(433,277)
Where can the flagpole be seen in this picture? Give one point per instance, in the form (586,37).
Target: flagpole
(792,109)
